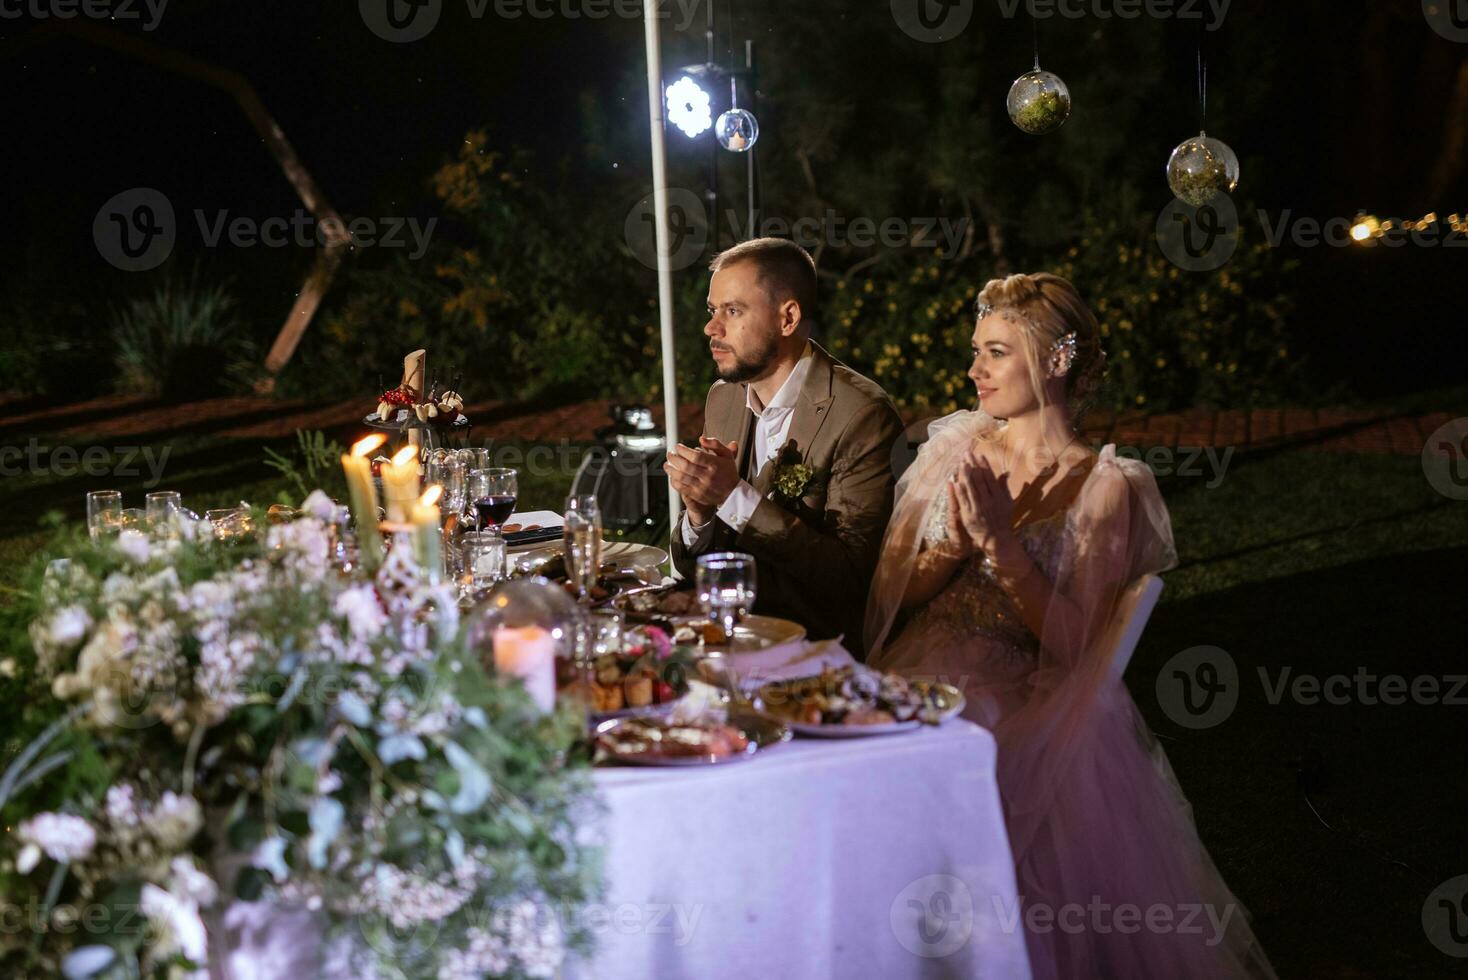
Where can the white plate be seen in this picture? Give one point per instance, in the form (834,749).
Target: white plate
(853,731)
(621,552)
(753,635)
(861,731)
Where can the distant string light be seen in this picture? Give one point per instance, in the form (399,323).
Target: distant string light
(1366,227)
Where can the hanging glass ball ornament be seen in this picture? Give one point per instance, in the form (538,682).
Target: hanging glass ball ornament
(737,130)
(1201,168)
(1039,102)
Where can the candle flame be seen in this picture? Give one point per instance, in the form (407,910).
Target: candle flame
(403,456)
(364,446)
(431,495)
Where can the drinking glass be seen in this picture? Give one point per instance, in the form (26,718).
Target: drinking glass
(582,539)
(476,459)
(228,522)
(726,585)
(163,509)
(483,560)
(448,471)
(104,513)
(493,493)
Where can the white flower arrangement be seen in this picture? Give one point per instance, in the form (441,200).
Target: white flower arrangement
(329,731)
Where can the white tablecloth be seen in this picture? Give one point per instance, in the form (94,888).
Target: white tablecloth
(882,857)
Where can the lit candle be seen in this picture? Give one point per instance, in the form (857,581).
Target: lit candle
(364,499)
(528,653)
(428,534)
(400,484)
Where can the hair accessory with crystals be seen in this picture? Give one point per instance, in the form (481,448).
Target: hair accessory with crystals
(1062,355)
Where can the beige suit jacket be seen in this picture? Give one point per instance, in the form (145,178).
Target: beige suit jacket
(816,554)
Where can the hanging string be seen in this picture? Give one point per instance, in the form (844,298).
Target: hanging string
(1202,86)
(1035,29)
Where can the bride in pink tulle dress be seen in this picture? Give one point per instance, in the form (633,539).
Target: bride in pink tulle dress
(1009,546)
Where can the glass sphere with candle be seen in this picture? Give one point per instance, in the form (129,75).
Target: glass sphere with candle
(521,628)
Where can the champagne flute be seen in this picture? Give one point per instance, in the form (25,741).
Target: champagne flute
(104,513)
(582,539)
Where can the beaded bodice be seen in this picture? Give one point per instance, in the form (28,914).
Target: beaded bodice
(974,603)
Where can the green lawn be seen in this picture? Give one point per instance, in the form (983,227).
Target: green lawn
(1320,562)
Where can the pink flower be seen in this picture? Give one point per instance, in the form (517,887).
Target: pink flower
(662,644)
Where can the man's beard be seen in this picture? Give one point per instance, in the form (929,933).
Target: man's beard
(748,368)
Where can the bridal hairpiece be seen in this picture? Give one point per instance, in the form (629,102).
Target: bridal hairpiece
(1062,355)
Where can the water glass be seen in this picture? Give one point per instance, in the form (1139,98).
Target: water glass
(726,585)
(448,471)
(164,507)
(104,513)
(581,537)
(483,560)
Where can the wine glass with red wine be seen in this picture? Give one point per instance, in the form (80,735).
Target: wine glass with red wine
(494,492)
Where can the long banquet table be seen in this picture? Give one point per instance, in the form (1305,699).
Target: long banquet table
(882,857)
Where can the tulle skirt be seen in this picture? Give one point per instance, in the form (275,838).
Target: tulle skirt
(1114,881)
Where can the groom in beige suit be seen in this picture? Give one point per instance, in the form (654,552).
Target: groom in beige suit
(795,463)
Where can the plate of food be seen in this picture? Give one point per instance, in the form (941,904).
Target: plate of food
(852,702)
(645,677)
(702,741)
(677,612)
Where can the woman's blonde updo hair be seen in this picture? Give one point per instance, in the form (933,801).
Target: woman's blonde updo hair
(1049,307)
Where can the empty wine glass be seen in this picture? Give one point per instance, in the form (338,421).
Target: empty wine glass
(726,585)
(104,513)
(449,471)
(581,538)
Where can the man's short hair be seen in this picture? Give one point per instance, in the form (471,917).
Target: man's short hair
(786,271)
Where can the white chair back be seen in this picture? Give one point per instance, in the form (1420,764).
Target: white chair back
(1133,610)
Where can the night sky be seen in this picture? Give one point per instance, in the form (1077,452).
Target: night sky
(1354,116)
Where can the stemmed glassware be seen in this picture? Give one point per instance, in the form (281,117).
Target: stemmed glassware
(449,471)
(493,493)
(726,585)
(582,539)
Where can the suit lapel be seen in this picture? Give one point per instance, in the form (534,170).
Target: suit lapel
(810,414)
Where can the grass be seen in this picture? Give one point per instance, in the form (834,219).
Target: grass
(1332,823)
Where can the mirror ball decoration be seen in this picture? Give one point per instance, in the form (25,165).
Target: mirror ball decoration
(1039,102)
(1201,168)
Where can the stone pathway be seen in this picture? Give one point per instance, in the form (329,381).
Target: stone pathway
(250,417)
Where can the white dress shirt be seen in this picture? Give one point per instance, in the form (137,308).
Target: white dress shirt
(771,430)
